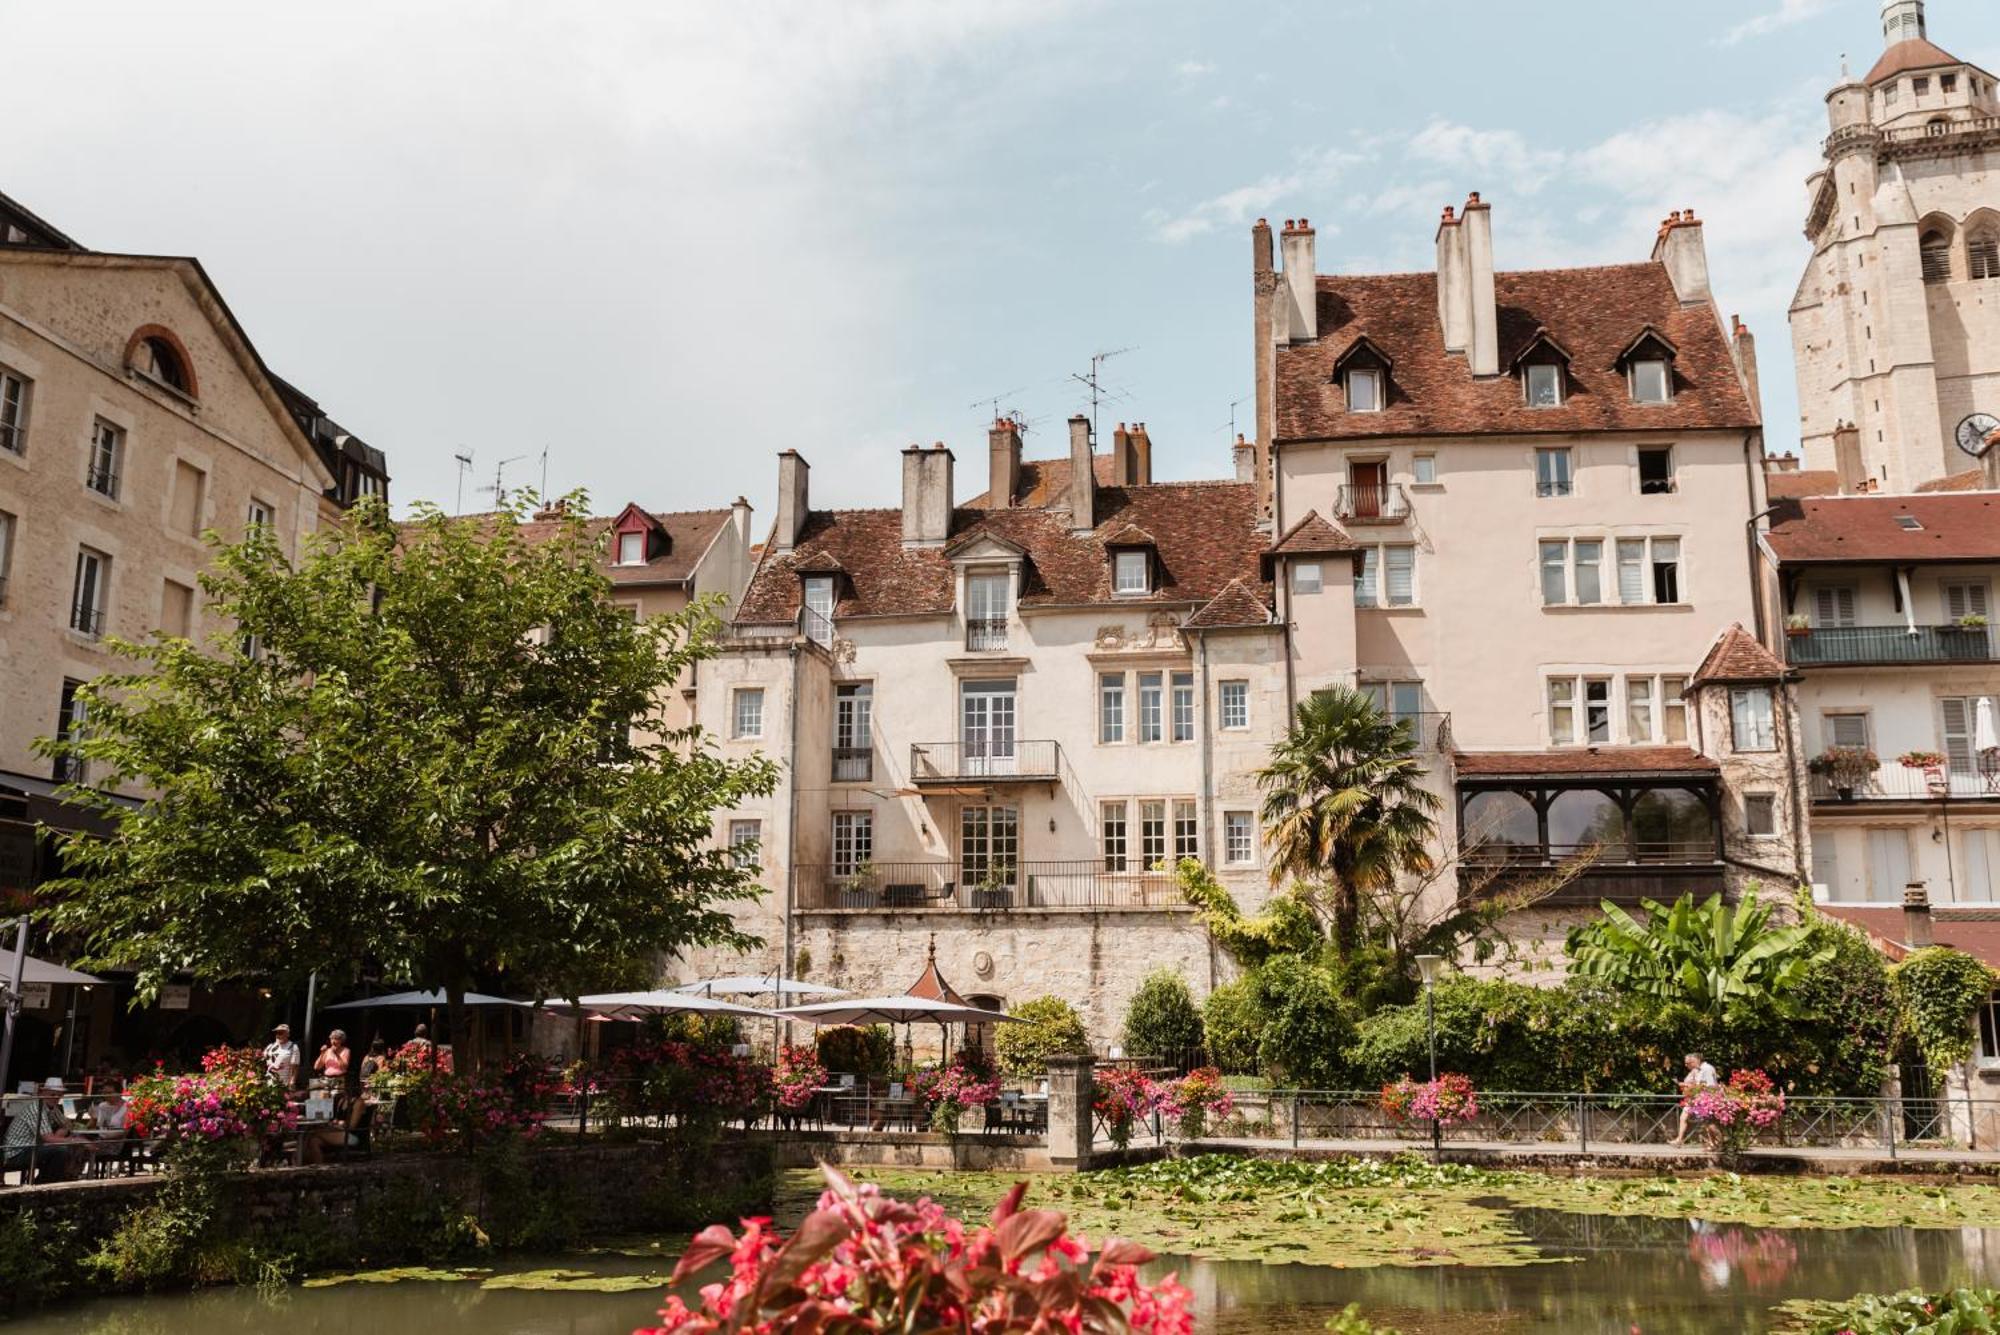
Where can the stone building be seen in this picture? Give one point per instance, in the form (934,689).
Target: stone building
(1547,479)
(1896,321)
(997,717)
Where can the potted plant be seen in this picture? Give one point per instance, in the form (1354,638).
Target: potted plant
(1845,768)
(1972,621)
(995,890)
(856,890)
(1798,623)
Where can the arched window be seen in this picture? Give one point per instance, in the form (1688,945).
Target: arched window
(157,354)
(1583,817)
(1982,252)
(1501,820)
(1934,247)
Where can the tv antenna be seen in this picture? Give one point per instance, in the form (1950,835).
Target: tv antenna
(1094,382)
(1232,414)
(498,487)
(464,467)
(545,475)
(992,405)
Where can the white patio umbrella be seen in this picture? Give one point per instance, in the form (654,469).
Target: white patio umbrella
(631,1005)
(759,985)
(42,971)
(903,1009)
(1985,734)
(423,999)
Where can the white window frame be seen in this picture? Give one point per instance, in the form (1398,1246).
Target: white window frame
(746,713)
(1673,709)
(16,403)
(1748,729)
(1834,605)
(1547,484)
(105,468)
(1131,573)
(1110,708)
(1185,830)
(816,618)
(7,525)
(1180,706)
(1768,802)
(1608,706)
(1371,587)
(1638,373)
(72,723)
(989,842)
(1306,577)
(1552,563)
(88,616)
(1838,727)
(853,841)
(1152,707)
(1641,692)
(1423,470)
(746,836)
(632,548)
(1987,1022)
(1561,702)
(1154,832)
(1666,486)
(1553,373)
(1114,835)
(1377,397)
(1239,838)
(259,514)
(1232,701)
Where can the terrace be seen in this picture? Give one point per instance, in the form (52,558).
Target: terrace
(978,887)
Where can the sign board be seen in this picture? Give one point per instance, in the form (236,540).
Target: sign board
(37,996)
(175,996)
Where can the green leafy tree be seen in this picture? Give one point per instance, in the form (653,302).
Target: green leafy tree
(1939,991)
(1162,1019)
(1054,1029)
(1345,809)
(1713,957)
(1234,1025)
(437,752)
(1307,1024)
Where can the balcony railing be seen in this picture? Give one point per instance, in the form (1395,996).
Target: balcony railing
(1625,871)
(985,634)
(1854,646)
(1371,503)
(1941,130)
(1897,782)
(974,887)
(103,480)
(1430,729)
(949,762)
(86,619)
(853,764)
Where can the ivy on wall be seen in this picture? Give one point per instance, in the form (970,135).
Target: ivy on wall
(1938,992)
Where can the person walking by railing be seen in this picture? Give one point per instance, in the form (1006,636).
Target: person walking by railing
(1700,1075)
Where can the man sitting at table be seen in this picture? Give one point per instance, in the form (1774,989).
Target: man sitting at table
(39,1134)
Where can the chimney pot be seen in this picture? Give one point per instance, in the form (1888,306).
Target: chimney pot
(1473,198)
(1082,476)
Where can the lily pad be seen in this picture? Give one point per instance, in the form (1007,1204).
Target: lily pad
(396,1275)
(574,1281)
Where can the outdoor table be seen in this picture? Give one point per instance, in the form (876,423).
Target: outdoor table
(304,1128)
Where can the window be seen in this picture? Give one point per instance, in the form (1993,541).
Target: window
(71,715)
(1656,470)
(1963,599)
(1934,255)
(1982,254)
(1889,95)
(1111,707)
(989,844)
(176,609)
(1989,1031)
(1152,835)
(1947,83)
(1397,701)
(1631,570)
(88,593)
(1130,572)
(1239,840)
(1751,725)
(1673,709)
(1552,476)
(1760,815)
(1833,606)
(1424,469)
(1982,865)
(1111,831)
(1666,570)
(1958,713)
(1589,582)
(1306,577)
(1920,86)
(1187,831)
(1545,385)
(1388,577)
(853,841)
(1183,706)
(748,717)
(818,613)
(6,552)
(1597,709)
(1888,865)
(1149,706)
(1364,391)
(632,549)
(190,484)
(1233,698)
(1850,729)
(986,609)
(258,515)
(1555,573)
(1638,709)
(1652,381)
(1562,711)
(13,411)
(107,457)
(853,729)
(744,836)
(160,361)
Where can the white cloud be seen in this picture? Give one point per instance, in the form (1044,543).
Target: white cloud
(1785,15)
(1315,171)
(1194,69)
(1493,156)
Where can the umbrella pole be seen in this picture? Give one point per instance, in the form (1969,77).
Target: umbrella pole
(312,995)
(11,1000)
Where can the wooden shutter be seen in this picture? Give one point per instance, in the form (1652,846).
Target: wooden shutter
(1964,600)
(1833,606)
(1958,732)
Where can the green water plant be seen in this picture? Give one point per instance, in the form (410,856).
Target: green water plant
(1912,1312)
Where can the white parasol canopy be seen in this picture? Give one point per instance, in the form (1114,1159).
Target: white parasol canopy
(902,1009)
(631,1005)
(759,985)
(1985,735)
(423,999)
(42,971)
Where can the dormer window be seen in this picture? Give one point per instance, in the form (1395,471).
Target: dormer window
(1651,381)
(1543,365)
(1364,391)
(155,353)
(1131,573)
(1544,382)
(631,549)
(1363,373)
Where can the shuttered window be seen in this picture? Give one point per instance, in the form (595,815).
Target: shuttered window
(1888,865)
(1847,730)
(1964,600)
(1833,606)
(1958,712)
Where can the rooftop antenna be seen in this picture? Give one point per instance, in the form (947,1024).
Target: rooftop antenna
(1094,382)
(992,404)
(464,467)
(1232,414)
(545,475)
(499,488)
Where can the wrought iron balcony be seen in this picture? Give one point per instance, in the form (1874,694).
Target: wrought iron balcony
(1371,503)
(985,634)
(1893,781)
(1430,729)
(86,619)
(982,887)
(1891,646)
(985,761)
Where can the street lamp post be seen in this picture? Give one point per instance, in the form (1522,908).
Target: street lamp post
(1428,966)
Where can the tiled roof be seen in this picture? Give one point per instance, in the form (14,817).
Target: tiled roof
(1592,312)
(1313,536)
(1961,526)
(1914,53)
(1584,760)
(1972,479)
(1737,656)
(1046,481)
(1976,931)
(1804,482)
(1236,605)
(689,533)
(1205,535)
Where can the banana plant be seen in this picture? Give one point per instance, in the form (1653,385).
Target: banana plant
(1711,956)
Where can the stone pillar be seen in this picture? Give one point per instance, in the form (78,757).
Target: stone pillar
(1070,1127)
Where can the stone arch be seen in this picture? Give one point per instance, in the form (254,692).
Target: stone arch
(158,352)
(1982,244)
(1937,237)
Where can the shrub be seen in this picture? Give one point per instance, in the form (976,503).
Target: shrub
(1162,1021)
(868,1052)
(1307,1027)
(1054,1029)
(1233,1023)
(1939,991)
(1712,956)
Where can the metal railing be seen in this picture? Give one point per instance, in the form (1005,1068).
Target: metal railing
(948,762)
(982,887)
(14,440)
(86,619)
(1371,503)
(1430,729)
(1831,646)
(1629,853)
(1896,782)
(102,480)
(853,764)
(985,634)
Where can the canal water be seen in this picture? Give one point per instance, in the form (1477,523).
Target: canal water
(1614,1275)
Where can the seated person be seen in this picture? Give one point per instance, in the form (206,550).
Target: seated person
(350,1133)
(40,1135)
(108,1113)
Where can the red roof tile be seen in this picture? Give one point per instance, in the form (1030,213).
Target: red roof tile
(1976,931)
(1962,526)
(1236,605)
(1914,53)
(1313,536)
(1204,534)
(1737,656)
(1972,479)
(1594,313)
(1804,482)
(689,533)
(1584,760)
(1046,481)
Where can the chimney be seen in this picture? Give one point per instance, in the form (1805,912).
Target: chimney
(1082,476)
(1244,455)
(1743,347)
(792,470)
(1454,289)
(555,509)
(1482,352)
(1142,455)
(1917,931)
(1847,459)
(1300,280)
(1260,248)
(1003,464)
(926,495)
(1121,457)
(739,519)
(1679,246)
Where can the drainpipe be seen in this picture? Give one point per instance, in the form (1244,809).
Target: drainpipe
(1207,760)
(1756,584)
(1794,736)
(791,827)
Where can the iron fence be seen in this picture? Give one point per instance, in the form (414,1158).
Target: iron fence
(1897,782)
(1371,503)
(981,887)
(985,758)
(1832,646)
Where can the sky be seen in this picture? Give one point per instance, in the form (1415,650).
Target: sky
(662,241)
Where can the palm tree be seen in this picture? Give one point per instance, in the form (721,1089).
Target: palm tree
(1344,804)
